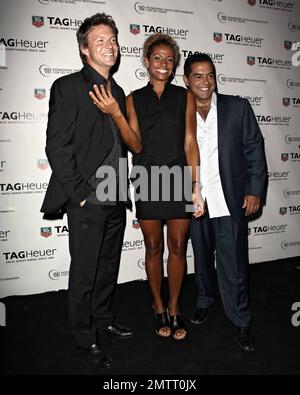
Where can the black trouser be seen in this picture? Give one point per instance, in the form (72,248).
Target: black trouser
(228,238)
(95,241)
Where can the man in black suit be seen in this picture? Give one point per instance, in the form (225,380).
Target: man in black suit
(232,174)
(81,140)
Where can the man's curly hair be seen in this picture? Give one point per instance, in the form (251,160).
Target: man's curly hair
(159,39)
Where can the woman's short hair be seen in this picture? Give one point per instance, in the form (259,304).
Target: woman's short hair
(160,39)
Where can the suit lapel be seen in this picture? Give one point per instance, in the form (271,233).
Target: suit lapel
(222,111)
(87,75)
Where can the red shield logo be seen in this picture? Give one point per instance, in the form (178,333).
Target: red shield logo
(134,29)
(288,45)
(282,210)
(46,231)
(42,164)
(38,21)
(40,93)
(250,60)
(135,224)
(218,37)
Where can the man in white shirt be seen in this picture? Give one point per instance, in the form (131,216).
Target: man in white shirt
(232,176)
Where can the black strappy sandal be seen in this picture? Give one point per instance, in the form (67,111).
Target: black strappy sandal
(161,321)
(176,325)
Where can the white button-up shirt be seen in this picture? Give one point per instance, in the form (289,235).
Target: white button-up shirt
(207,137)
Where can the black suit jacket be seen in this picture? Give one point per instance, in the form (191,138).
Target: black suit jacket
(79,138)
(242,161)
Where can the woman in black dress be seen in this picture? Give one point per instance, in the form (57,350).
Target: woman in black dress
(161,131)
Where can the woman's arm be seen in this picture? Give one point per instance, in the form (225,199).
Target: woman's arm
(130,132)
(192,153)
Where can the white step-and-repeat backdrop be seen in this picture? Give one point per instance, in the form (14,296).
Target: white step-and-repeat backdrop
(254,46)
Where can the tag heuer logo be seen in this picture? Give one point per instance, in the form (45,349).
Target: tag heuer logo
(284,156)
(283,210)
(218,37)
(286,101)
(251,2)
(288,44)
(46,232)
(38,21)
(135,224)
(249,231)
(40,93)
(42,164)
(250,60)
(134,29)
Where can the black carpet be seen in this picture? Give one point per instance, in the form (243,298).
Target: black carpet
(36,340)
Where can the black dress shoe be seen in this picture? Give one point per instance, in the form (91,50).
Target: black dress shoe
(96,356)
(199,316)
(118,331)
(245,339)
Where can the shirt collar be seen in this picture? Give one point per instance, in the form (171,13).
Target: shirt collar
(99,79)
(213,106)
(167,84)
(214,100)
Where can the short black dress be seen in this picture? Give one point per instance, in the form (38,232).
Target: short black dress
(162,125)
